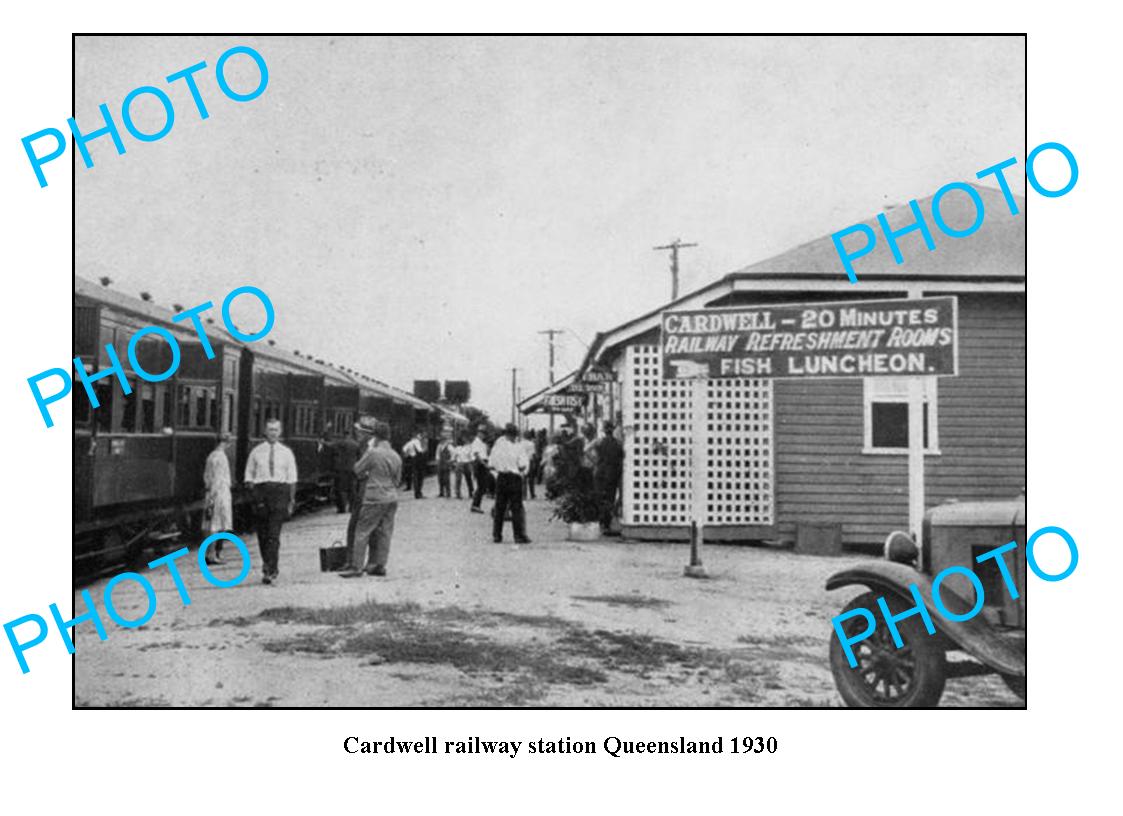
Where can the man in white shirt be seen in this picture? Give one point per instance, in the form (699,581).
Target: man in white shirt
(509,462)
(414,453)
(271,472)
(462,461)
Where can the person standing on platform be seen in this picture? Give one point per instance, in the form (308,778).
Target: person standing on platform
(608,470)
(479,453)
(462,461)
(381,468)
(531,471)
(219,507)
(364,432)
(444,465)
(271,470)
(414,455)
(509,462)
(345,452)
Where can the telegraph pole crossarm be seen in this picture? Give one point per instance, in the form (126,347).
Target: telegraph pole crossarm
(674,246)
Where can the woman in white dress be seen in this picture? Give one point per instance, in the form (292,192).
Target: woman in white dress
(219,505)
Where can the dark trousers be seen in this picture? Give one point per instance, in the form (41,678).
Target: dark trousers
(530,479)
(443,481)
(509,494)
(482,477)
(606,487)
(418,472)
(344,487)
(271,505)
(464,473)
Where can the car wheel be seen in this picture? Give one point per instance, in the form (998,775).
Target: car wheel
(912,676)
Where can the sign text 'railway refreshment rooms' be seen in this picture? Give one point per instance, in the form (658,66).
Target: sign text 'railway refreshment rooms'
(868,338)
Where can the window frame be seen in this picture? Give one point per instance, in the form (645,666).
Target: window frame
(894,390)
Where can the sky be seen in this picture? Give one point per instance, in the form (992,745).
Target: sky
(421,208)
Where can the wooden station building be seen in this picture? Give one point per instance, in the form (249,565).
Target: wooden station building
(787,458)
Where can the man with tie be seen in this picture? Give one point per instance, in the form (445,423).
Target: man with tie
(271,471)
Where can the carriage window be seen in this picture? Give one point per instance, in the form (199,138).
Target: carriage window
(165,397)
(184,413)
(128,409)
(228,418)
(103,415)
(147,408)
(81,408)
(200,415)
(212,415)
(257,417)
(887,415)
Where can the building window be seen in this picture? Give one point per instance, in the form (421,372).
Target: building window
(886,404)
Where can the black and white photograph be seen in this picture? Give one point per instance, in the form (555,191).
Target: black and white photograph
(551,372)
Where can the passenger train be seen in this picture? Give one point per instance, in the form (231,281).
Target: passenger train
(139,458)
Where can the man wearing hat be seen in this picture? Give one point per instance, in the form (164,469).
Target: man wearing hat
(509,462)
(381,469)
(345,452)
(608,469)
(363,432)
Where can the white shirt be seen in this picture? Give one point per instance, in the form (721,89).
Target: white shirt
(412,447)
(508,456)
(529,447)
(478,450)
(462,454)
(284,464)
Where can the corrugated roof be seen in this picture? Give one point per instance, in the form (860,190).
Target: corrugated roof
(996,249)
(995,253)
(147,309)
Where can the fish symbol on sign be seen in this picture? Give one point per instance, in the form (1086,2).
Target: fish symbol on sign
(690,369)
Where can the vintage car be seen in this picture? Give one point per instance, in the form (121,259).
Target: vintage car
(913,676)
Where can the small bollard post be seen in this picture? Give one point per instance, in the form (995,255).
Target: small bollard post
(695,569)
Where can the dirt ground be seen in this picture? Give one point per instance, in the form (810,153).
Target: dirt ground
(461,621)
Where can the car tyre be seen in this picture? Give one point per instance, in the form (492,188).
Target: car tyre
(1016,684)
(912,676)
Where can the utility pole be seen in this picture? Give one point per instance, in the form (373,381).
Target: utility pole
(674,246)
(514,397)
(551,333)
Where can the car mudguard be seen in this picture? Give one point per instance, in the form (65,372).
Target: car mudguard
(975,636)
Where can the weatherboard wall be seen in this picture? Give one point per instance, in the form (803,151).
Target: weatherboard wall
(822,474)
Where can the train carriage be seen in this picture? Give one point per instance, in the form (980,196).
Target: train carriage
(139,458)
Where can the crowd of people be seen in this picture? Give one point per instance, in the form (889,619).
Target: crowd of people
(369,474)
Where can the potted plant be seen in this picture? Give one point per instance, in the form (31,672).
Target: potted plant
(571,489)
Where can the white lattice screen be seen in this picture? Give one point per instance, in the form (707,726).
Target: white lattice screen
(739,451)
(657,477)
